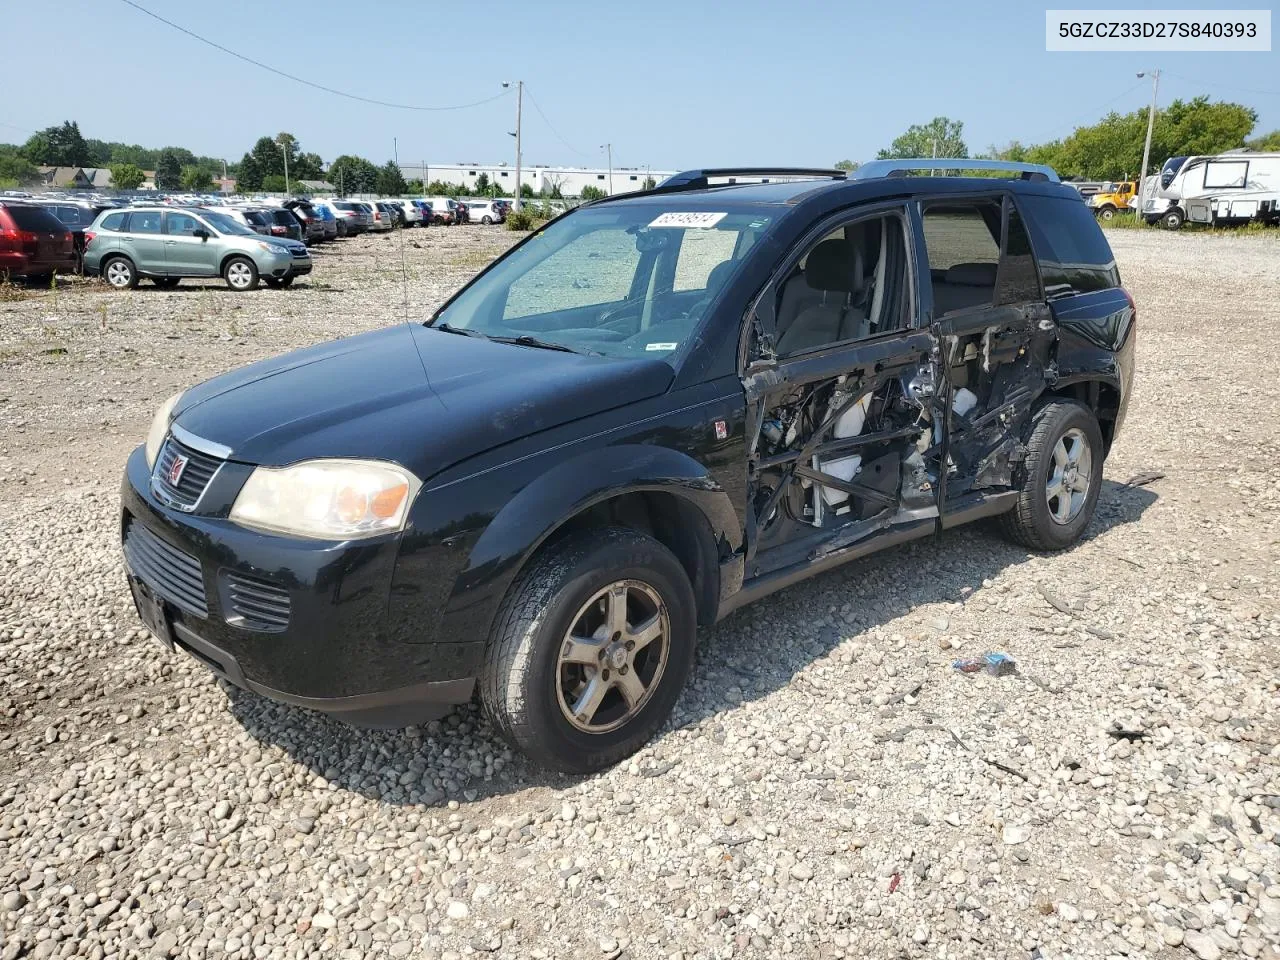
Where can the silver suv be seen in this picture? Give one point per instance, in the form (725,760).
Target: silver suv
(165,244)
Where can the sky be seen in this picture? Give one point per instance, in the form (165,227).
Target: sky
(669,84)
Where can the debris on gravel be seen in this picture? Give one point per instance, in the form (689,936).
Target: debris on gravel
(827,787)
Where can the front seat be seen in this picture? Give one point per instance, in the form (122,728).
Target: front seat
(834,268)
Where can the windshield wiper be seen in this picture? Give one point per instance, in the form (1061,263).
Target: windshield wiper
(524,340)
(449,328)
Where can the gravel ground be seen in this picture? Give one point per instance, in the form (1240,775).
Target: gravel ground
(829,786)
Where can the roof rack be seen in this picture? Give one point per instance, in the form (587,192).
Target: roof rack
(900,168)
(699,179)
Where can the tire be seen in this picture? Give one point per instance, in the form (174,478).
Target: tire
(1106,213)
(241,274)
(487,221)
(120,273)
(165,283)
(1040,520)
(529,692)
(1173,219)
(278,283)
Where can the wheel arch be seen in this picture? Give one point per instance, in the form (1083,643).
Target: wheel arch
(656,490)
(1100,394)
(235,255)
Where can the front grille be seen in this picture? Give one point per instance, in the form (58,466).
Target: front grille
(192,480)
(256,604)
(172,574)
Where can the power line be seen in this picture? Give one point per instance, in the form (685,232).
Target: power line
(1225,86)
(308,83)
(1093,111)
(571,147)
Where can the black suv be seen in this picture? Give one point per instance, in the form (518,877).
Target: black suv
(657,408)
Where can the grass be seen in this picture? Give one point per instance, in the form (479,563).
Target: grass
(1132,222)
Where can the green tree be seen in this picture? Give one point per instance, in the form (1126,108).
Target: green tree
(1268,142)
(649,184)
(940,137)
(15,169)
(846,165)
(526,190)
(390,181)
(168,171)
(273,183)
(308,166)
(126,176)
(413,186)
(59,146)
(196,179)
(351,174)
(590,193)
(249,174)
(483,185)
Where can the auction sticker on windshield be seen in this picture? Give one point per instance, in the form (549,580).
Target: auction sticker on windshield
(697,221)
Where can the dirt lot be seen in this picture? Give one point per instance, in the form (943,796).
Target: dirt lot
(828,786)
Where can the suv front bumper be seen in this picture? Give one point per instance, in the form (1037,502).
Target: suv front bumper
(335,654)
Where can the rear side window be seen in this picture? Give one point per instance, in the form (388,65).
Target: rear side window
(963,243)
(35,220)
(144,221)
(1017,281)
(284,217)
(1074,255)
(114,222)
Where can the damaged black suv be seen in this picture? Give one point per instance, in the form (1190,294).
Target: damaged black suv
(659,407)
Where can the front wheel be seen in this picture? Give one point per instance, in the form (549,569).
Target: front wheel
(1061,478)
(487,221)
(1107,213)
(241,274)
(1173,220)
(590,650)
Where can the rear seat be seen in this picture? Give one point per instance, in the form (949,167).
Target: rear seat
(962,286)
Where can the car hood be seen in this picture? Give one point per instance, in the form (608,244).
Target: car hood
(408,394)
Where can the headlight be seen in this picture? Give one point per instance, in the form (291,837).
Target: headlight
(159,427)
(327,499)
(272,247)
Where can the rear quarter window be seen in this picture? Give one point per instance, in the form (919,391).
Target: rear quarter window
(114,222)
(1073,253)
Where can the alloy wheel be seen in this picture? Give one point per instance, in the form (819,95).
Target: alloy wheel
(239,275)
(613,656)
(1068,485)
(119,273)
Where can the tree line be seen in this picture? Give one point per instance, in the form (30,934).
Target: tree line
(1110,149)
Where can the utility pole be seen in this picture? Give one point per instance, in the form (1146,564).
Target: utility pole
(1151,122)
(934,154)
(519,101)
(424,179)
(608,147)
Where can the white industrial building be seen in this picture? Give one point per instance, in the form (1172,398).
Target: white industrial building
(570,180)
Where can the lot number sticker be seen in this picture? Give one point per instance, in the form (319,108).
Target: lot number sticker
(695,221)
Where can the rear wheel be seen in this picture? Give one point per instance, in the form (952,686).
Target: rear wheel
(241,274)
(120,273)
(590,650)
(1061,477)
(165,283)
(486,220)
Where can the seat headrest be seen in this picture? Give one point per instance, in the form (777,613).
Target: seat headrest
(834,265)
(972,275)
(718,275)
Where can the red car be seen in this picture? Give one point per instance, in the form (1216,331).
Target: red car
(33,242)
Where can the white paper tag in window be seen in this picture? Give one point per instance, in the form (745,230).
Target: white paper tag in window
(693,220)
(661,346)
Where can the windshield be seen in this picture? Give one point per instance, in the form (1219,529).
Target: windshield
(225,224)
(619,280)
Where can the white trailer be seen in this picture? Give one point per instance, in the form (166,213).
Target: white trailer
(1230,188)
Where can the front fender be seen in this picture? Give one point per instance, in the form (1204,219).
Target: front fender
(564,491)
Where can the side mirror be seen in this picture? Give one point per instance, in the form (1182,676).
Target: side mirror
(201,233)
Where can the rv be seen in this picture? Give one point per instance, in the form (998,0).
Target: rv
(1229,188)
